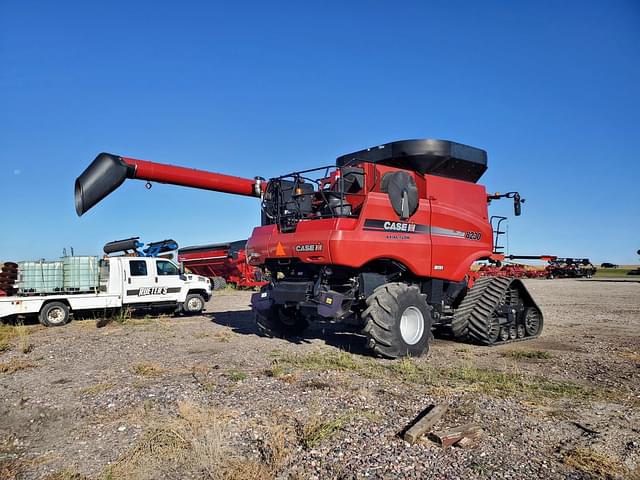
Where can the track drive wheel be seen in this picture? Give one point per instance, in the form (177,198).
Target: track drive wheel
(397,321)
(280,322)
(532,321)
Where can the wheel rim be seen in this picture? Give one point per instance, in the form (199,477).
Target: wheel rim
(411,325)
(504,334)
(494,329)
(194,304)
(55,315)
(520,331)
(512,332)
(532,322)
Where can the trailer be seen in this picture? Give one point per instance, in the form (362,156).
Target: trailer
(124,281)
(223,263)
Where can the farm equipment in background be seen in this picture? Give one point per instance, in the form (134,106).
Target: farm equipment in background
(635,271)
(515,270)
(223,263)
(8,278)
(570,268)
(383,239)
(135,248)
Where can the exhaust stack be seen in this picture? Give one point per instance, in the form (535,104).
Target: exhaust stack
(107,172)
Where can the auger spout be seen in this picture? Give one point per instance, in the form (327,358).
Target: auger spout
(107,172)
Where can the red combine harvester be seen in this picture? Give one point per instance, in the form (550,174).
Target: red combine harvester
(383,239)
(223,263)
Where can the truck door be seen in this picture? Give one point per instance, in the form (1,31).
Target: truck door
(167,279)
(138,281)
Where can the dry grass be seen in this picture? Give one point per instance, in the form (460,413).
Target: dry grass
(318,429)
(195,443)
(595,464)
(97,388)
(17,334)
(631,356)
(236,375)
(467,377)
(66,474)
(276,370)
(148,369)
(533,354)
(223,336)
(15,365)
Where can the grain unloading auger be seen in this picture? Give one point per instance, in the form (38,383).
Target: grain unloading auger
(383,239)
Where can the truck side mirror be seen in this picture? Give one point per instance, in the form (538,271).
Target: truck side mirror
(181,268)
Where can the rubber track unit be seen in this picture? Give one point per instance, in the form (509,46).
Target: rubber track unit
(472,320)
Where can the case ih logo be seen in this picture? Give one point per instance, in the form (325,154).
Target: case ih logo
(144,291)
(399,227)
(309,247)
(390,226)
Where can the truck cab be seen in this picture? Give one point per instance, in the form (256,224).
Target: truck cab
(150,281)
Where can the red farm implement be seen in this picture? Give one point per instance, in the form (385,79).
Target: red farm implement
(223,263)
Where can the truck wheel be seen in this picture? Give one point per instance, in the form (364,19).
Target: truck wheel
(193,304)
(280,322)
(397,321)
(54,314)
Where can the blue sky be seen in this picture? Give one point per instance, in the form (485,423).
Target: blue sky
(550,89)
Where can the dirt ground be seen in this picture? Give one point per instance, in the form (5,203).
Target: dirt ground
(206,397)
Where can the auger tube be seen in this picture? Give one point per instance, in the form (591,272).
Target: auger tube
(107,172)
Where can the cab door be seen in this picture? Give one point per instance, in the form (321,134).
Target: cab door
(167,280)
(138,280)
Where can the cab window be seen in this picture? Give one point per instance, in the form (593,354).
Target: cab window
(166,268)
(138,268)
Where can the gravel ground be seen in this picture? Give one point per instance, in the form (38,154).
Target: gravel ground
(206,397)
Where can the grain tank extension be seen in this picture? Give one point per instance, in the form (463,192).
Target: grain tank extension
(384,239)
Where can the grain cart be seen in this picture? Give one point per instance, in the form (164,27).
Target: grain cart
(384,238)
(223,263)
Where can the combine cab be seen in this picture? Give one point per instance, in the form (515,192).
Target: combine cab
(383,239)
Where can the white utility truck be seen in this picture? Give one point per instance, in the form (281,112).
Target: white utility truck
(124,281)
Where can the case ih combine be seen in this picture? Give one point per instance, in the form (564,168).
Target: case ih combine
(384,239)
(223,263)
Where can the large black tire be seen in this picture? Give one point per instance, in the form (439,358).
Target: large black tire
(193,304)
(54,314)
(279,322)
(388,334)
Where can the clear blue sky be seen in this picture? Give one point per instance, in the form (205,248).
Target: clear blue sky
(550,89)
